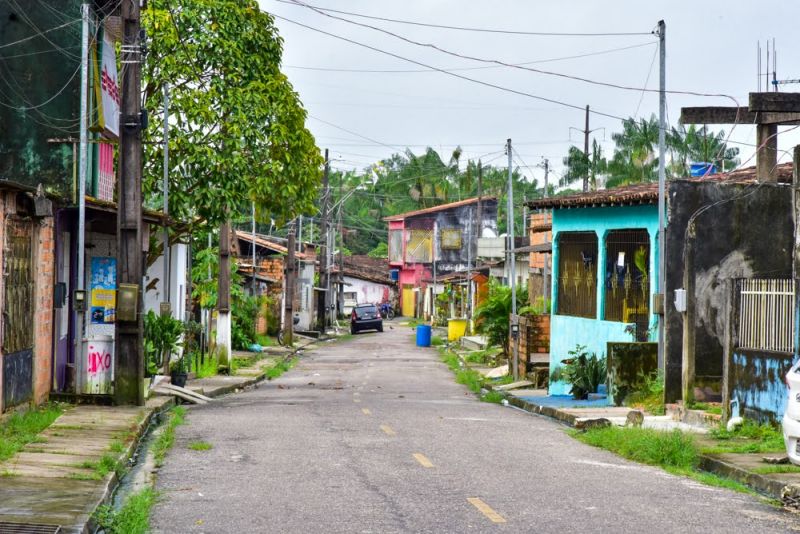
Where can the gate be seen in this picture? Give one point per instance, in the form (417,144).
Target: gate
(18,327)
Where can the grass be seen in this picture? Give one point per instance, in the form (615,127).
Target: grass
(106,464)
(469,377)
(200,446)
(166,439)
(132,518)
(23,428)
(484,357)
(750,437)
(279,368)
(210,367)
(266,341)
(774,469)
(650,397)
(437,341)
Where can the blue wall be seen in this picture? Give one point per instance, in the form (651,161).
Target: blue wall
(565,331)
(757,380)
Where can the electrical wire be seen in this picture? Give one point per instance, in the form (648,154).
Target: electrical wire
(646,81)
(457,69)
(484,30)
(353,133)
(40,33)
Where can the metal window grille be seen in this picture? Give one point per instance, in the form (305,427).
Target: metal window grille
(766,314)
(577,274)
(627,279)
(395,246)
(450,239)
(420,247)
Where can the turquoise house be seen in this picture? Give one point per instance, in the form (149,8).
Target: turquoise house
(605,266)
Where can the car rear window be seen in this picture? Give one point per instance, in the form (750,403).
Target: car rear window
(361,310)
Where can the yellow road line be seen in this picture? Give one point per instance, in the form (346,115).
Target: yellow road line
(366,411)
(423,460)
(388,430)
(486,510)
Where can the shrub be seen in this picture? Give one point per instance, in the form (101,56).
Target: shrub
(650,396)
(493,315)
(583,371)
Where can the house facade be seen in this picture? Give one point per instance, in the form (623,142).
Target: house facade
(432,242)
(364,280)
(605,270)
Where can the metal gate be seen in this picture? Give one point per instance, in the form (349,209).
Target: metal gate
(18,297)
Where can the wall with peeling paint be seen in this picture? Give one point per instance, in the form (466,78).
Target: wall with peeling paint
(758,383)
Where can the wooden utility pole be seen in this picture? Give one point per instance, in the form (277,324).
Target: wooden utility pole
(479,215)
(129,372)
(323,249)
(224,293)
(288,297)
(586,133)
(340,292)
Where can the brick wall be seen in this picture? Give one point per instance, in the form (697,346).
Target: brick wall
(534,338)
(540,232)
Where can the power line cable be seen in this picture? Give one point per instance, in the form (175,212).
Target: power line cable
(484,30)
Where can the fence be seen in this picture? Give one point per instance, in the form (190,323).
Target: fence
(766,314)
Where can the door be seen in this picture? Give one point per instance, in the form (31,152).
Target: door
(18,298)
(408,300)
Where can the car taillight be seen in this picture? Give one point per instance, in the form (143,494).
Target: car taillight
(353,315)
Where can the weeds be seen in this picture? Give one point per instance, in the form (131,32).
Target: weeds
(166,439)
(651,395)
(209,366)
(279,368)
(775,469)
(672,449)
(494,397)
(437,341)
(23,428)
(750,437)
(132,518)
(200,446)
(469,377)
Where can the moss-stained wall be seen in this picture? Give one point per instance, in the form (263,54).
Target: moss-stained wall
(39,91)
(747,232)
(757,382)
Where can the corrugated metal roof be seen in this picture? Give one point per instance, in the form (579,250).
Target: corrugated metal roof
(406,215)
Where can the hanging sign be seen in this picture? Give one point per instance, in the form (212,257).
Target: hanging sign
(109,88)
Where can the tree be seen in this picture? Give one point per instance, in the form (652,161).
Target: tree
(698,145)
(237,128)
(634,159)
(579,165)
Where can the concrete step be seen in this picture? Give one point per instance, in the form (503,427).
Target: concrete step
(474,342)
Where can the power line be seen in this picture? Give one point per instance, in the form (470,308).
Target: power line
(353,133)
(456,69)
(40,34)
(484,30)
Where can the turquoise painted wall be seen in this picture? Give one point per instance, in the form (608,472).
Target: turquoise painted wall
(565,331)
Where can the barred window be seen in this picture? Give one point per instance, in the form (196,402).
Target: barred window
(420,247)
(395,246)
(627,279)
(450,239)
(577,274)
(766,314)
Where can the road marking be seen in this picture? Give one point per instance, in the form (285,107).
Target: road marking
(388,430)
(366,411)
(423,460)
(356,400)
(486,510)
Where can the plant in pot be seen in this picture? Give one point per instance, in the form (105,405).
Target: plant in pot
(584,371)
(179,372)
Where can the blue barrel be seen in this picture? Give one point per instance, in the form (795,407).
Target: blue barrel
(423,335)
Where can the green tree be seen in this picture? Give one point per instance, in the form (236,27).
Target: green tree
(635,159)
(578,166)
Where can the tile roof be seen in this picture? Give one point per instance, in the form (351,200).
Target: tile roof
(262,242)
(647,193)
(401,216)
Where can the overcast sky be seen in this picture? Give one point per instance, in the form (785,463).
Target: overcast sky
(711,48)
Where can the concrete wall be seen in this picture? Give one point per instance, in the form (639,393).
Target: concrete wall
(179,257)
(746,232)
(367,291)
(594,334)
(757,382)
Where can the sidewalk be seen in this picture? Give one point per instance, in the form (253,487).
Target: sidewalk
(53,481)
(745,468)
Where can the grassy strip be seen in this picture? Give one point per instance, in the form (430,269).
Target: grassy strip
(470,378)
(674,451)
(279,368)
(166,439)
(23,428)
(132,518)
(750,437)
(200,446)
(209,367)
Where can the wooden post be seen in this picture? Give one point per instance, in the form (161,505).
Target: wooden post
(224,295)
(288,298)
(129,365)
(731,311)
(687,368)
(767,155)
(323,250)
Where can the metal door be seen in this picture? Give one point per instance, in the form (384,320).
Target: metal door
(408,301)
(18,308)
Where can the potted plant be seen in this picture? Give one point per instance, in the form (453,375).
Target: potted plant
(179,372)
(584,371)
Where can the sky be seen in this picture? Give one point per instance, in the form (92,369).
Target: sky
(362,117)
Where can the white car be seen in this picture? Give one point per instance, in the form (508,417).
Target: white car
(791,418)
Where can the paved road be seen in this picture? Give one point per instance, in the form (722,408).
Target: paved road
(372,435)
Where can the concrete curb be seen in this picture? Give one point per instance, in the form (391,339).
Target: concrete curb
(763,484)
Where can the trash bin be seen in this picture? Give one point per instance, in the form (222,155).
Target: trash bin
(791,418)
(456,328)
(423,335)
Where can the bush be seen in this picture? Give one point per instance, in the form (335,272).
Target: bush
(583,371)
(650,396)
(493,315)
(162,334)
(672,449)
(244,314)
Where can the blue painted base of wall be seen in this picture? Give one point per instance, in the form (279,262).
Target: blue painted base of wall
(758,383)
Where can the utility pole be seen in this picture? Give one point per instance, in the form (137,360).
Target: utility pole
(323,253)
(340,292)
(662,122)
(288,299)
(253,244)
(545,274)
(129,375)
(224,293)
(586,150)
(480,200)
(82,171)
(511,258)
(165,191)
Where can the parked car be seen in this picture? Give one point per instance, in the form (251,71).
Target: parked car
(791,418)
(365,317)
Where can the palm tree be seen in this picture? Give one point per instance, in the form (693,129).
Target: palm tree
(700,145)
(580,166)
(634,159)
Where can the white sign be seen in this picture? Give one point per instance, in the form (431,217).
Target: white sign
(109,87)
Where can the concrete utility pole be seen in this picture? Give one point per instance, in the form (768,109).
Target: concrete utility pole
(224,293)
(545,285)
(253,244)
(288,299)
(82,171)
(511,256)
(340,292)
(129,375)
(586,132)
(662,210)
(323,252)
(165,191)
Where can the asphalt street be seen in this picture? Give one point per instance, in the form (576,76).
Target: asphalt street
(373,435)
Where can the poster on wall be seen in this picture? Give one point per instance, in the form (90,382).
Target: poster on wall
(103,288)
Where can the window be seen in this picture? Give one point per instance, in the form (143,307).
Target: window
(420,247)
(577,274)
(766,314)
(627,279)
(450,239)
(395,246)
